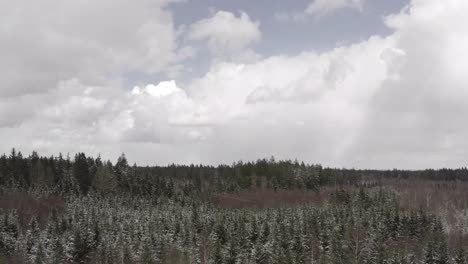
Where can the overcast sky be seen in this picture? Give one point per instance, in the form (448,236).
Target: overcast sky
(346,83)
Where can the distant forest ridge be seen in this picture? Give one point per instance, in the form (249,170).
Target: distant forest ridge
(82,173)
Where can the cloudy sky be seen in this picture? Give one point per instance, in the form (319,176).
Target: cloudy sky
(346,83)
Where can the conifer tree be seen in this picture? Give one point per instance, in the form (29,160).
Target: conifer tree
(460,255)
(146,256)
(40,254)
(81,172)
(218,254)
(430,254)
(442,254)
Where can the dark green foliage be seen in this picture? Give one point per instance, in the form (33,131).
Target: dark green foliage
(81,172)
(84,173)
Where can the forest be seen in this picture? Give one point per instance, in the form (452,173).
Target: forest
(81,209)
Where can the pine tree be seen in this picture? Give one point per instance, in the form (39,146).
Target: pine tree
(232,253)
(430,255)
(260,256)
(442,254)
(58,252)
(122,171)
(40,254)
(218,254)
(127,255)
(81,172)
(105,181)
(80,247)
(298,248)
(254,233)
(147,256)
(460,255)
(378,250)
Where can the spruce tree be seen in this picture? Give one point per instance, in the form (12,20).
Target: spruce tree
(218,254)
(146,256)
(430,254)
(442,254)
(40,254)
(460,255)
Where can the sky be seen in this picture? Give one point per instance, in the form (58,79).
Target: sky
(344,83)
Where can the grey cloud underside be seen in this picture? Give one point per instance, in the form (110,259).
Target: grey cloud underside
(48,41)
(387,101)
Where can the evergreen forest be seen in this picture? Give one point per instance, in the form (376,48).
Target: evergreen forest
(83,209)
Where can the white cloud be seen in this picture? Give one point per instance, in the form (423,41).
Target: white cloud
(395,101)
(324,7)
(320,8)
(164,88)
(226,33)
(417,119)
(44,42)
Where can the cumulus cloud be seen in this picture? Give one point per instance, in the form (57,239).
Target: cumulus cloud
(227,34)
(393,101)
(417,119)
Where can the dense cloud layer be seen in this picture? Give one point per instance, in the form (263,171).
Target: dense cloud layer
(44,42)
(393,101)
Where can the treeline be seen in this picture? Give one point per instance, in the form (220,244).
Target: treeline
(81,174)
